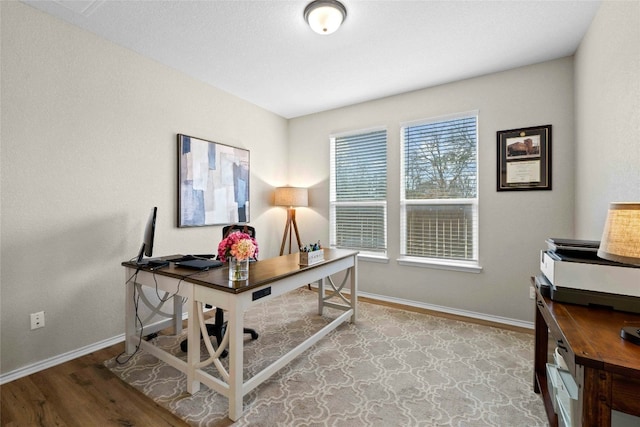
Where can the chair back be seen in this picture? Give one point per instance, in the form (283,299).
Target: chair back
(247,229)
(228,229)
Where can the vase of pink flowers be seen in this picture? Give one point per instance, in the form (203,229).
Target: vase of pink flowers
(238,269)
(237,248)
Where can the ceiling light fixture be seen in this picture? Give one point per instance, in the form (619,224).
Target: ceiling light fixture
(325,16)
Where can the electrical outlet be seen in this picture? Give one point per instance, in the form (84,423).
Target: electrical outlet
(37,320)
(532,292)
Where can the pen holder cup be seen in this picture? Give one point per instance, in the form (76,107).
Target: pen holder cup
(309,258)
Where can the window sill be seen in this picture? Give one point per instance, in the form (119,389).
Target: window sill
(382,259)
(466,267)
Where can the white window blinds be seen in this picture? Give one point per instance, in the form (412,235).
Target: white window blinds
(439,189)
(359,191)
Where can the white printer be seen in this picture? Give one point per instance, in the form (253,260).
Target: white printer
(575,274)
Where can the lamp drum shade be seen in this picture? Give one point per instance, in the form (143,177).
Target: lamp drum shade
(621,236)
(291,197)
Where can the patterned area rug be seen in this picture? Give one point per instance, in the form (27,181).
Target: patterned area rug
(391,368)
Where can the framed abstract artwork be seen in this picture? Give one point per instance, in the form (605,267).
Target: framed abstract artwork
(213,183)
(524,158)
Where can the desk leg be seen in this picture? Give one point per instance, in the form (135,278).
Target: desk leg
(541,348)
(177,315)
(129,315)
(596,398)
(354,290)
(236,361)
(193,348)
(321,295)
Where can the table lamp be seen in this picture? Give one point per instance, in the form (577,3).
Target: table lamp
(621,243)
(291,197)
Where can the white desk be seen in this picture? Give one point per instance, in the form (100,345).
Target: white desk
(267,279)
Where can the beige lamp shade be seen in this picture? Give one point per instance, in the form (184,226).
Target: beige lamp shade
(621,236)
(291,197)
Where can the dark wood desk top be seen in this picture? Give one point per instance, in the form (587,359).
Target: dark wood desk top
(594,336)
(261,272)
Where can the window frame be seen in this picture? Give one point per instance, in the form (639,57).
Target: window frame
(381,256)
(472,265)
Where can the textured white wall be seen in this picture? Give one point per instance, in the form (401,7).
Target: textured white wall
(88,147)
(513,225)
(607,86)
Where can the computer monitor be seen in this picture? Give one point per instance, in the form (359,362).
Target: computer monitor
(147,243)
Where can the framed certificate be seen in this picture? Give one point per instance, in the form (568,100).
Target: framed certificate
(524,159)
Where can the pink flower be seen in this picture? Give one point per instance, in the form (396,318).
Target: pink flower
(239,245)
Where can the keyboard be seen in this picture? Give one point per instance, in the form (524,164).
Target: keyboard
(191,257)
(200,264)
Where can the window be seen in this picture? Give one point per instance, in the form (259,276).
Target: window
(439,193)
(358,198)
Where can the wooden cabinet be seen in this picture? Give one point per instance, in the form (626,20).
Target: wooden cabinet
(605,367)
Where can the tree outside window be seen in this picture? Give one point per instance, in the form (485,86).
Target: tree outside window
(439,189)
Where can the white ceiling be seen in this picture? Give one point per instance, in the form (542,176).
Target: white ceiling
(263,51)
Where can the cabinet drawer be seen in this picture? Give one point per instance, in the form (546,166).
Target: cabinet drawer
(552,383)
(567,395)
(561,343)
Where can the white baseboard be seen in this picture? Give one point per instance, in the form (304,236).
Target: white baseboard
(56,360)
(65,357)
(454,311)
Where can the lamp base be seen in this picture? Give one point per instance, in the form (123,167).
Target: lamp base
(290,227)
(631,333)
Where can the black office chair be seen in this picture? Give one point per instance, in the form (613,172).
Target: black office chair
(219,326)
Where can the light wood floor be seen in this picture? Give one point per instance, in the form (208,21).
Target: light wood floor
(83,392)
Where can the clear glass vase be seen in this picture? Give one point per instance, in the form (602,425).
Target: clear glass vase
(238,269)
